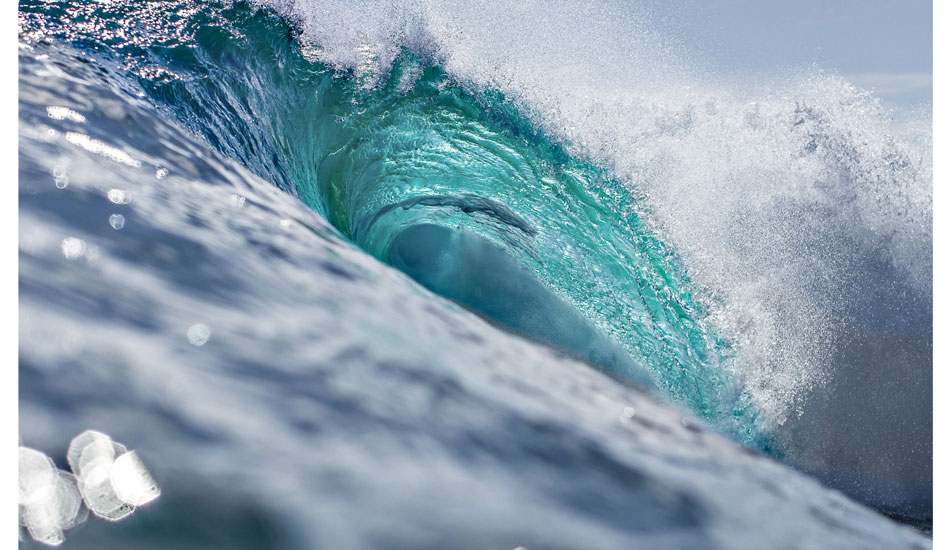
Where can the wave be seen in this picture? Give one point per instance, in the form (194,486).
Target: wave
(731,244)
(773,194)
(801,208)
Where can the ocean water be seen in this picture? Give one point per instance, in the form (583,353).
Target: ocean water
(355,275)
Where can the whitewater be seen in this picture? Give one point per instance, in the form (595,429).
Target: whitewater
(469,274)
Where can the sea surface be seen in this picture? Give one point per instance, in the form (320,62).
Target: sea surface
(468,275)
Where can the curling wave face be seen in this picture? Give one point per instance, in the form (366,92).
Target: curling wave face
(459,159)
(461,193)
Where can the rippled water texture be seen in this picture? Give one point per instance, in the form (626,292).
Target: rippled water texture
(349,295)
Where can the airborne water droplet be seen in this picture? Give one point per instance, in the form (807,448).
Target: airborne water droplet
(119,196)
(131,480)
(198,334)
(79,444)
(73,248)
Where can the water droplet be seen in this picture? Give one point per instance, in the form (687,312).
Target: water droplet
(119,196)
(79,444)
(97,453)
(109,479)
(99,495)
(237,201)
(117,221)
(131,480)
(161,173)
(198,334)
(627,414)
(35,469)
(73,248)
(70,501)
(61,182)
(49,499)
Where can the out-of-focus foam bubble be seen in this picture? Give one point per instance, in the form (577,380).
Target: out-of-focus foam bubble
(79,444)
(35,470)
(132,482)
(49,500)
(109,480)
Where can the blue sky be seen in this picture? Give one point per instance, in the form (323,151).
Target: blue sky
(882,44)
